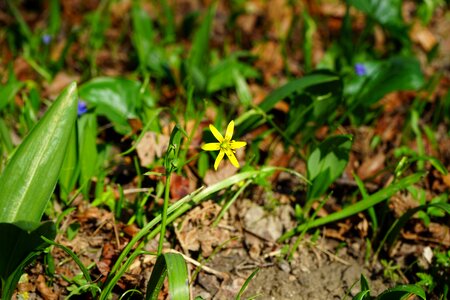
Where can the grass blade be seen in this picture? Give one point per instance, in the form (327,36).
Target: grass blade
(359,206)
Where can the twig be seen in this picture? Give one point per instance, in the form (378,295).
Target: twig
(219,274)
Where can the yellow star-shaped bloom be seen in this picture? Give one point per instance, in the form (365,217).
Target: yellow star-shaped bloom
(225,145)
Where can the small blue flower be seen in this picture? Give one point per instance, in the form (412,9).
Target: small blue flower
(82,107)
(46,39)
(360,69)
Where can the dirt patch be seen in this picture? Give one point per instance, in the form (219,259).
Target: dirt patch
(314,273)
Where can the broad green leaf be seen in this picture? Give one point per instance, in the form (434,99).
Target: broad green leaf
(29,178)
(294,86)
(221,75)
(326,163)
(19,248)
(383,77)
(315,106)
(17,244)
(387,13)
(118,99)
(402,292)
(174,266)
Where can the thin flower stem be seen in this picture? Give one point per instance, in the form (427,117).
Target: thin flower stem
(164,213)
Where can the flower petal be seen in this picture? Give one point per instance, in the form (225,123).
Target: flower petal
(216,133)
(237,145)
(232,158)
(230,130)
(218,159)
(211,146)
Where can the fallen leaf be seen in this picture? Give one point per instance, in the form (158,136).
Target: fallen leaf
(422,36)
(61,80)
(151,146)
(46,292)
(371,166)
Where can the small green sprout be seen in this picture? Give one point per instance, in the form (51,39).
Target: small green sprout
(225,145)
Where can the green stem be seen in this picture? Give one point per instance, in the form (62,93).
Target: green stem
(164,213)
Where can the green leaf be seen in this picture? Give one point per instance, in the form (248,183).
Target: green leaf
(383,77)
(150,56)
(387,13)
(10,89)
(315,106)
(246,283)
(402,292)
(222,75)
(294,86)
(394,231)
(75,258)
(198,60)
(88,154)
(326,163)
(174,266)
(6,143)
(18,243)
(363,295)
(118,99)
(55,18)
(70,169)
(360,206)
(29,178)
(364,283)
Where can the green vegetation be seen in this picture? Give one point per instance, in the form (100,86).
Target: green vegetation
(120,106)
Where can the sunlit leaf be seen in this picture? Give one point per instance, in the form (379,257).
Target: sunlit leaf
(326,163)
(29,178)
(174,266)
(402,292)
(118,99)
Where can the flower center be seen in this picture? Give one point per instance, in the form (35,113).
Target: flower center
(225,145)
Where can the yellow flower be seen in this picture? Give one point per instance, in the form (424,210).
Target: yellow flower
(225,145)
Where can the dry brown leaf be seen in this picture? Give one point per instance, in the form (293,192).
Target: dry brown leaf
(401,202)
(279,14)
(181,186)
(151,146)
(270,59)
(371,166)
(196,232)
(61,80)
(46,292)
(422,36)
